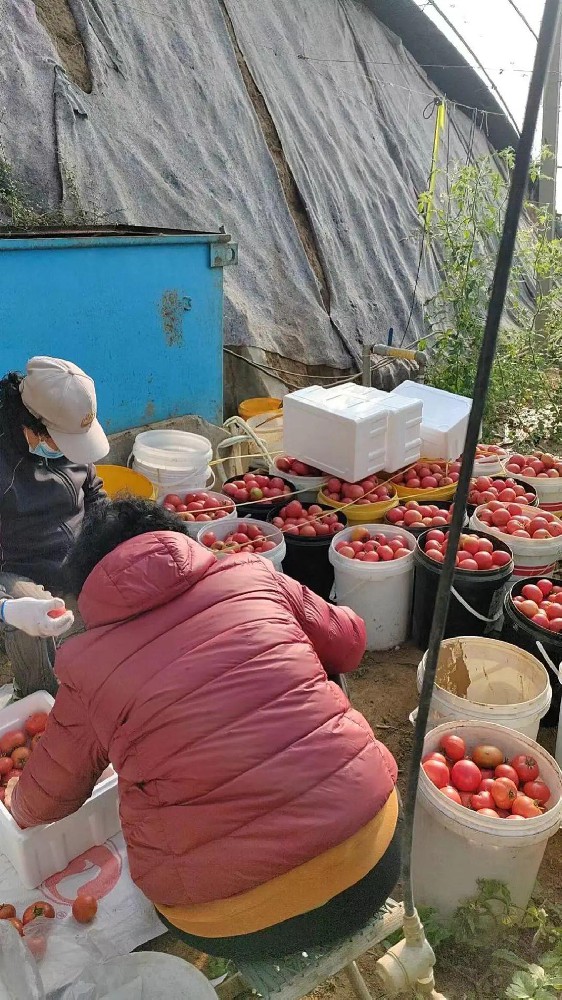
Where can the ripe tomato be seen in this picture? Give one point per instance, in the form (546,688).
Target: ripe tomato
(172,499)
(452,794)
(466,776)
(17,924)
(524,806)
(437,773)
(84,909)
(504,792)
(5,765)
(435,756)
(485,784)
(7,911)
(37,944)
(487,756)
(38,909)
(56,613)
(489,812)
(453,747)
(532,593)
(537,790)
(526,767)
(36,723)
(9,741)
(20,758)
(482,800)
(507,771)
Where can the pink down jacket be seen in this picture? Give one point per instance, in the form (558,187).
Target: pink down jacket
(204,683)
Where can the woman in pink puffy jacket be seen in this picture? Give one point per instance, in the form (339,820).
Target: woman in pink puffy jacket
(259,811)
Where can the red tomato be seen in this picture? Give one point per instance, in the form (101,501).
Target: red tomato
(487,756)
(9,741)
(37,944)
(466,776)
(5,765)
(528,608)
(7,911)
(482,800)
(17,924)
(20,758)
(437,773)
(453,747)
(504,792)
(84,909)
(452,794)
(172,500)
(524,806)
(507,771)
(545,587)
(537,790)
(486,772)
(56,613)
(38,909)
(486,784)
(532,593)
(36,723)
(435,756)
(526,767)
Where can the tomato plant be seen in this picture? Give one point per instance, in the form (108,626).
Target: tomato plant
(84,909)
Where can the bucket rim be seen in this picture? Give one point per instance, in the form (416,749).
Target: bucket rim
(466,574)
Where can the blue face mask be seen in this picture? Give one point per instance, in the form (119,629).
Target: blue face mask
(42,450)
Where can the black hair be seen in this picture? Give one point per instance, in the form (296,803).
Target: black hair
(107,526)
(14,415)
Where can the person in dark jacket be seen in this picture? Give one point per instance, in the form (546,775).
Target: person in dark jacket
(49,438)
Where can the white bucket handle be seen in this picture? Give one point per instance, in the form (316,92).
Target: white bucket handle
(472,611)
(557,671)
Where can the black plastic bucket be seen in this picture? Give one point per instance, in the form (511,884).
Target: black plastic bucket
(482,591)
(415,529)
(521,631)
(471,507)
(307,558)
(261,509)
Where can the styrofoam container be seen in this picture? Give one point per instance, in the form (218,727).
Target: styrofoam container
(455,847)
(485,680)
(347,430)
(224,527)
(444,419)
(532,556)
(380,593)
(41,851)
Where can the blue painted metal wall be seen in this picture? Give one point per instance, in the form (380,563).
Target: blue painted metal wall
(142,315)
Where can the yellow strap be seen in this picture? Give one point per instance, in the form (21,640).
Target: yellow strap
(439,126)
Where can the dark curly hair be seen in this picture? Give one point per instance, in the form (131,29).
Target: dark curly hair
(14,415)
(105,527)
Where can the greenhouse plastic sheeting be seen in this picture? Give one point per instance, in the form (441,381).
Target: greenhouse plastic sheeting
(169,137)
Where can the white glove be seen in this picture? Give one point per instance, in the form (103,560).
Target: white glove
(11,784)
(30,615)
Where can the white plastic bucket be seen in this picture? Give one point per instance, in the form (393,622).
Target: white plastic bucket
(380,593)
(491,466)
(224,527)
(532,557)
(549,492)
(484,680)
(307,487)
(174,461)
(455,847)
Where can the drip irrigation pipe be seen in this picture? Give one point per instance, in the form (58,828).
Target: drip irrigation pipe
(517,191)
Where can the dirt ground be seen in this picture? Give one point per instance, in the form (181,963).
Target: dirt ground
(384,690)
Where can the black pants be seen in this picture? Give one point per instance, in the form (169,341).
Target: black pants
(338,918)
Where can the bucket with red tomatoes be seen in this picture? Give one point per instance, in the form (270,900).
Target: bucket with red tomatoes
(308,530)
(374,568)
(531,616)
(488,801)
(543,471)
(534,535)
(417,517)
(484,566)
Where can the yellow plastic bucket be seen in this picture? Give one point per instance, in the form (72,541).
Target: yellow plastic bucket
(364,513)
(428,496)
(259,404)
(118,480)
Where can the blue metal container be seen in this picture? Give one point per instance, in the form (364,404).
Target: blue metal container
(140,310)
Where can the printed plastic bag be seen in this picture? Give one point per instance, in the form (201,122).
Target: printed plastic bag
(143,976)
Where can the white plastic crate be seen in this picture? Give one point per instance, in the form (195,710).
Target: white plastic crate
(351,431)
(444,419)
(41,851)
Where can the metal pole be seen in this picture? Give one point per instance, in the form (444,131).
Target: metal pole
(366,375)
(550,138)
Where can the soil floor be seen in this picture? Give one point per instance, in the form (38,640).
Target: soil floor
(384,690)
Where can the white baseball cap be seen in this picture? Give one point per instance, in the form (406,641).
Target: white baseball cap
(63,397)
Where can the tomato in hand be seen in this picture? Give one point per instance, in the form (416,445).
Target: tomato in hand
(9,741)
(84,909)
(466,776)
(38,909)
(7,911)
(527,767)
(36,723)
(504,792)
(437,773)
(537,790)
(453,747)
(17,924)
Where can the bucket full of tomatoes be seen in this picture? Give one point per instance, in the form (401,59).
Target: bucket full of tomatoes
(484,565)
(534,535)
(308,530)
(532,615)
(488,801)
(374,569)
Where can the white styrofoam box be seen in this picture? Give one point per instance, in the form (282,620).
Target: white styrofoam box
(350,431)
(444,419)
(41,851)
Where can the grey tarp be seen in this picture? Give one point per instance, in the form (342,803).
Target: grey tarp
(169,136)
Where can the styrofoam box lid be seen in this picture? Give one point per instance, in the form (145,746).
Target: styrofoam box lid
(441,410)
(354,402)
